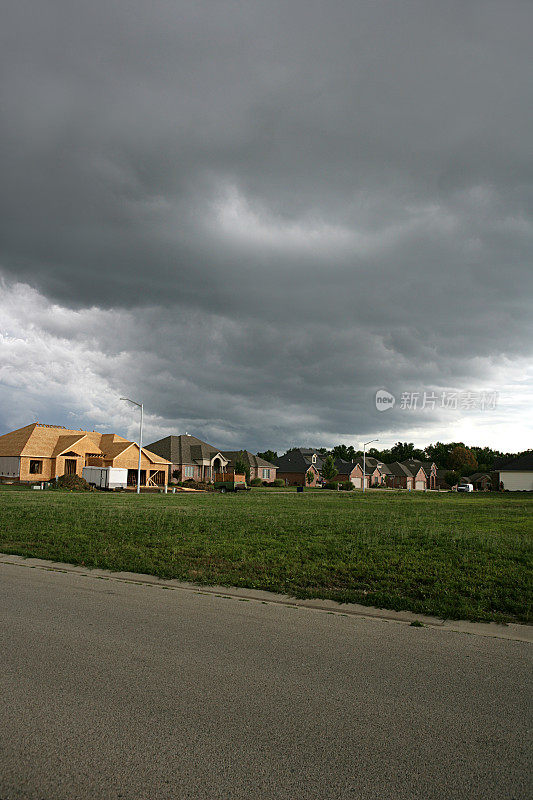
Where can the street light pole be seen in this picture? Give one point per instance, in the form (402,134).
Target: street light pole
(139,405)
(364,460)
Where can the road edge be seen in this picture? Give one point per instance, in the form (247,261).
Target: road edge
(510,631)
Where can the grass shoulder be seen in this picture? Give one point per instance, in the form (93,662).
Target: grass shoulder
(448,555)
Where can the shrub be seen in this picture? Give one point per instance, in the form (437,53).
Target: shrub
(73,483)
(451,477)
(347,486)
(278,482)
(330,485)
(192,484)
(255,482)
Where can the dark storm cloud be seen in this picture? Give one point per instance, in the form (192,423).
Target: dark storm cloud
(299,202)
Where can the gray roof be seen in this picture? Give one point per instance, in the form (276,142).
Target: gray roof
(371,464)
(300,459)
(477,475)
(417,463)
(294,462)
(183,449)
(522,463)
(401,470)
(249,458)
(344,467)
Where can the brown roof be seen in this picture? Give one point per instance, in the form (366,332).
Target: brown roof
(13,444)
(65,443)
(153,457)
(114,449)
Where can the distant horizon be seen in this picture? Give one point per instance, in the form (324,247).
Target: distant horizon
(280,450)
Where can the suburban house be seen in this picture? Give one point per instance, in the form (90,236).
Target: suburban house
(259,468)
(517,475)
(347,471)
(352,471)
(190,458)
(405,475)
(429,467)
(294,466)
(40,452)
(400,476)
(375,472)
(481,481)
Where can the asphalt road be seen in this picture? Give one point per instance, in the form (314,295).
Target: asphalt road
(116,690)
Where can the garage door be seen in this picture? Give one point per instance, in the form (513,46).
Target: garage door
(420,485)
(357,483)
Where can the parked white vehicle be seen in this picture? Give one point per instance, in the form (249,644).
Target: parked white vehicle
(465,487)
(106,477)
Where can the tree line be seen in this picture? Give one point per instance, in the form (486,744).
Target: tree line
(455,456)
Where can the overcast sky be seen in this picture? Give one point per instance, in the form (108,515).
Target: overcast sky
(254,215)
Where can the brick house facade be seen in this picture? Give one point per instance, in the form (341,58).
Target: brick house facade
(294,466)
(190,458)
(259,467)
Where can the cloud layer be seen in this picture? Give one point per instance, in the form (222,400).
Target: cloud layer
(256,214)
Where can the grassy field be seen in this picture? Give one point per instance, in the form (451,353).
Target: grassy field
(453,556)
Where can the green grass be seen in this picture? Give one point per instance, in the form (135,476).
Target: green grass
(453,556)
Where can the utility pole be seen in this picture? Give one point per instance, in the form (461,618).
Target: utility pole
(364,460)
(139,405)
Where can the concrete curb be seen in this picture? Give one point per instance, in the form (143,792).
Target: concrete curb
(510,631)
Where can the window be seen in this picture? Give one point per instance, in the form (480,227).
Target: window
(313,459)
(266,473)
(36,467)
(188,472)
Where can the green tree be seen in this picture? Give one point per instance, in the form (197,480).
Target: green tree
(438,453)
(268,455)
(329,470)
(346,453)
(402,451)
(309,476)
(451,477)
(242,467)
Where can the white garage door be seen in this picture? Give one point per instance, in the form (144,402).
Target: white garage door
(517,481)
(357,483)
(420,485)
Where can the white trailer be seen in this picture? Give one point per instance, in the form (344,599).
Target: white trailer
(106,477)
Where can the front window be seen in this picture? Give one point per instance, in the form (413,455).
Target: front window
(188,472)
(313,459)
(266,473)
(36,467)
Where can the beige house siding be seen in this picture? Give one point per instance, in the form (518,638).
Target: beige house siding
(46,474)
(60,451)
(517,481)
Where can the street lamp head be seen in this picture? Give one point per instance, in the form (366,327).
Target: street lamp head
(127,399)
